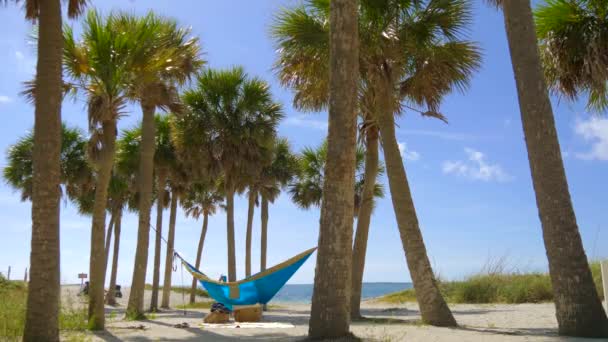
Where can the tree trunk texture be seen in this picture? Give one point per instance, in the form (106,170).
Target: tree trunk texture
(363,220)
(330,310)
(264,237)
(109,241)
(97,274)
(578,308)
(111,297)
(264,233)
(146,163)
(250,212)
(230,234)
(199,254)
(433,307)
(42,313)
(169,257)
(160,203)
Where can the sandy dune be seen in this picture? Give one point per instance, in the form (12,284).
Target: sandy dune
(385,322)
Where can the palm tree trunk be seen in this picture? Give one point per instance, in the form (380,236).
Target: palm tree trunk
(199,254)
(160,203)
(264,237)
(363,220)
(264,233)
(230,234)
(98,252)
(108,241)
(578,308)
(330,311)
(169,257)
(42,314)
(433,307)
(111,297)
(250,212)
(146,163)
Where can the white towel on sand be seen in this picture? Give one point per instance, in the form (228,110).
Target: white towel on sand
(245,325)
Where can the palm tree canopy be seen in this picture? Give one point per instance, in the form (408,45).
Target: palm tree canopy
(202,199)
(307,190)
(229,128)
(99,65)
(574,49)
(279,173)
(164,55)
(418,43)
(32,7)
(76,174)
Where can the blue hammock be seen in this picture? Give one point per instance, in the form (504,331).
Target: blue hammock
(257,289)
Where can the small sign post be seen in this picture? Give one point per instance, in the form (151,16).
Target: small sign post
(82,277)
(604,266)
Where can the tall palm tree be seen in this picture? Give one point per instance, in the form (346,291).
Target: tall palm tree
(164,160)
(229,129)
(98,64)
(164,57)
(411,51)
(578,308)
(573,48)
(42,313)
(306,191)
(201,199)
(177,182)
(277,175)
(330,312)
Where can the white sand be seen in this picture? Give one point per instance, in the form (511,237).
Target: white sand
(386,322)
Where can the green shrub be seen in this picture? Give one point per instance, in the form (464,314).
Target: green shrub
(13,296)
(493,287)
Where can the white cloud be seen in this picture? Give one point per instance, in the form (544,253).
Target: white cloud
(19,55)
(5,99)
(595,131)
(476,168)
(440,134)
(408,154)
(303,121)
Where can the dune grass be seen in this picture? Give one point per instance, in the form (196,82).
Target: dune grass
(182,289)
(496,287)
(13,297)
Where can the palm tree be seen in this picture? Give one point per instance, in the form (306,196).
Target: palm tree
(330,312)
(177,182)
(76,175)
(572,46)
(164,57)
(201,199)
(578,308)
(99,66)
(229,130)
(277,175)
(411,51)
(164,160)
(119,193)
(306,189)
(42,313)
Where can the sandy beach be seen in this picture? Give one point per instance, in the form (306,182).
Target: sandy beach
(384,322)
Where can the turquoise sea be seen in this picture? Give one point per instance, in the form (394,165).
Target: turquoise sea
(302,293)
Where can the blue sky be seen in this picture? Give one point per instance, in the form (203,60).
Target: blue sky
(470,179)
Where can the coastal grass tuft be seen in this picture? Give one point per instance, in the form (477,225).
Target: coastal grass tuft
(13,300)
(496,287)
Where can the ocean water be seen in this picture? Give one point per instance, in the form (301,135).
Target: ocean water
(302,293)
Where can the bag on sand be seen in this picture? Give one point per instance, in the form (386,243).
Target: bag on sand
(217,317)
(248,314)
